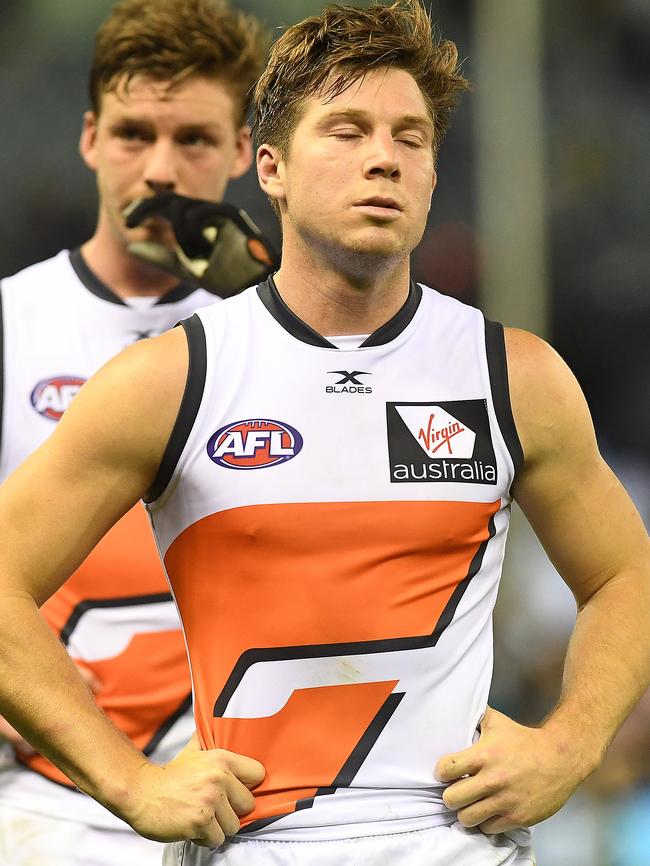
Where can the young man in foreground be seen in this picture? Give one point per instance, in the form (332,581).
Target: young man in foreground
(328,461)
(169,89)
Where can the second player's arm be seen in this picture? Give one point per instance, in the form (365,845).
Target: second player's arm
(101,459)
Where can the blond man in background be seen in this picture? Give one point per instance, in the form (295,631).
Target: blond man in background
(169,91)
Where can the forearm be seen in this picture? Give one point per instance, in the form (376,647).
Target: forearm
(44,697)
(607,667)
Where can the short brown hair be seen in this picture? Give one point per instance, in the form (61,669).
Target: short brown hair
(173,40)
(352,42)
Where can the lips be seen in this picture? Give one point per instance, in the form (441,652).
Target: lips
(379,201)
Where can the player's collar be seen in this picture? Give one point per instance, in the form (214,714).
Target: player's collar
(270,297)
(92,282)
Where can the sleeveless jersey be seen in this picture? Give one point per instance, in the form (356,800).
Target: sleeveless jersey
(333,523)
(115,614)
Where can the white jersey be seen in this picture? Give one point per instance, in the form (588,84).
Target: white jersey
(115,614)
(332,522)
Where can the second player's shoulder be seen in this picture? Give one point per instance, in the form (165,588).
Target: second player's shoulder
(40,276)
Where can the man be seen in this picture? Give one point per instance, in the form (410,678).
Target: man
(170,95)
(331,508)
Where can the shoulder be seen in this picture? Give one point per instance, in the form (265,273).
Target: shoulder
(448,302)
(135,397)
(148,368)
(549,408)
(34,275)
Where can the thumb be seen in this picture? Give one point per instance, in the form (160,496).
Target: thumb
(249,771)
(192,745)
(490,720)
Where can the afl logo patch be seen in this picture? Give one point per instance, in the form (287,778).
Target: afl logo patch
(254,444)
(51,397)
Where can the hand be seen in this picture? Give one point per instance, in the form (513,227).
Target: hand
(218,246)
(200,795)
(513,776)
(17,742)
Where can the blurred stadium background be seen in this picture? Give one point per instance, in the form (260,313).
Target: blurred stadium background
(540,217)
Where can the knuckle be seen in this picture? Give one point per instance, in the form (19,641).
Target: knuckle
(247,801)
(218,838)
(220,776)
(233,826)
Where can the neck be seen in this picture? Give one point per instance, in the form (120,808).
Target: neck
(336,298)
(107,256)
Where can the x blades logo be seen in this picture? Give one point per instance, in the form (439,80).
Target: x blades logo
(355,386)
(254,444)
(448,442)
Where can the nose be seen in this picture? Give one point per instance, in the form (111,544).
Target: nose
(161,171)
(382,160)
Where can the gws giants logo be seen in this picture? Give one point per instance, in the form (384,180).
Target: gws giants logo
(444,442)
(254,444)
(51,397)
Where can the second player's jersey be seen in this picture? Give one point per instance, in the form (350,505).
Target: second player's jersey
(115,615)
(333,533)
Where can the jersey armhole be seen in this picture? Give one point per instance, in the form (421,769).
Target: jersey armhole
(187,412)
(495,347)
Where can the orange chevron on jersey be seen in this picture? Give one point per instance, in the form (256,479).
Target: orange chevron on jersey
(109,630)
(313,582)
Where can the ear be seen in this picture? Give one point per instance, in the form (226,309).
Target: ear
(88,140)
(244,153)
(434,181)
(270,171)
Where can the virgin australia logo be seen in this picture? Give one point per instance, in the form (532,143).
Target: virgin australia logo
(448,441)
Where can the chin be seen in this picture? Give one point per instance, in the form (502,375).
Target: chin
(379,244)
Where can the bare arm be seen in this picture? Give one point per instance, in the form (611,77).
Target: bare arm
(595,538)
(101,459)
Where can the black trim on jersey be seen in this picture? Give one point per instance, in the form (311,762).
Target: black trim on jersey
(362,749)
(179,293)
(92,603)
(167,725)
(352,765)
(2,368)
(495,348)
(402,318)
(270,297)
(272,300)
(252,656)
(192,396)
(92,282)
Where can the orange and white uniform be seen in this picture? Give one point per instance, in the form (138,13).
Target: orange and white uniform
(115,614)
(333,532)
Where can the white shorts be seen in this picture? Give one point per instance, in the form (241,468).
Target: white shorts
(28,839)
(452,845)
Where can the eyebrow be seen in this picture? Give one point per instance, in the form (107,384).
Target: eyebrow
(416,121)
(207,127)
